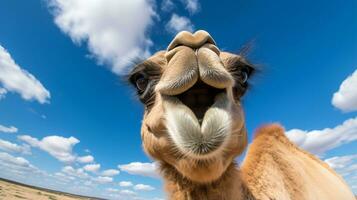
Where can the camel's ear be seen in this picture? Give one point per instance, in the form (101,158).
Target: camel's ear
(242,58)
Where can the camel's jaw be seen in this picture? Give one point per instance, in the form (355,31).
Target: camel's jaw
(198,121)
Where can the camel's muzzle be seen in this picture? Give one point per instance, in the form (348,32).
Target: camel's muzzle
(194,88)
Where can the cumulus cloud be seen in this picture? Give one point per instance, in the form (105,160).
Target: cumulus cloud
(80,173)
(85,159)
(21,170)
(3,92)
(15,79)
(103,179)
(112,190)
(167,5)
(320,141)
(115,31)
(143,187)
(127,192)
(12,147)
(179,23)
(122,194)
(138,168)
(12,167)
(10,129)
(125,184)
(92,167)
(340,162)
(192,6)
(57,146)
(68,169)
(63,177)
(346,166)
(110,172)
(345,98)
(20,161)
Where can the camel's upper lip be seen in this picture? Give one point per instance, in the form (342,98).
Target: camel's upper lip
(199,98)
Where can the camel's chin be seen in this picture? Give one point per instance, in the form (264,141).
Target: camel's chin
(202,171)
(198,140)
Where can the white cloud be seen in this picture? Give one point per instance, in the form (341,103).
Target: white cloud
(92,167)
(63,177)
(115,31)
(3,92)
(346,97)
(20,161)
(143,187)
(68,169)
(138,168)
(320,141)
(69,179)
(167,5)
(80,173)
(340,162)
(15,168)
(85,159)
(103,179)
(12,147)
(12,167)
(346,166)
(10,129)
(15,79)
(110,172)
(57,146)
(88,183)
(179,23)
(127,192)
(112,190)
(30,140)
(125,184)
(192,6)
(124,194)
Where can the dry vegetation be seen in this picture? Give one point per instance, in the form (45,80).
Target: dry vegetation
(10,190)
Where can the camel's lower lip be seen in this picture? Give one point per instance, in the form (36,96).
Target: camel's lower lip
(195,138)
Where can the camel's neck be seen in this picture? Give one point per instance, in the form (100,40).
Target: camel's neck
(228,187)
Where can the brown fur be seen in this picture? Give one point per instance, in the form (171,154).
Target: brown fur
(274,168)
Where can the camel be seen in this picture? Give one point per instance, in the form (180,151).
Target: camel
(194,127)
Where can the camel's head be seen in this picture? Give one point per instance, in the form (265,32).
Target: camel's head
(193,117)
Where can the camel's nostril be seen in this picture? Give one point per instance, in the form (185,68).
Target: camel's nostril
(194,41)
(199,98)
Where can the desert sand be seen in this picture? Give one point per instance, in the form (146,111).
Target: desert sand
(10,190)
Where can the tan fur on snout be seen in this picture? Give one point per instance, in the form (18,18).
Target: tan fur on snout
(211,67)
(180,74)
(197,160)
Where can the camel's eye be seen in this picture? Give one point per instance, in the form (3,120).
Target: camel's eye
(243,76)
(141,82)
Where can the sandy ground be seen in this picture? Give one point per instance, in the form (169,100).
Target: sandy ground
(13,191)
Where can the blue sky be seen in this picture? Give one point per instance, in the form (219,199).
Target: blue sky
(62,94)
